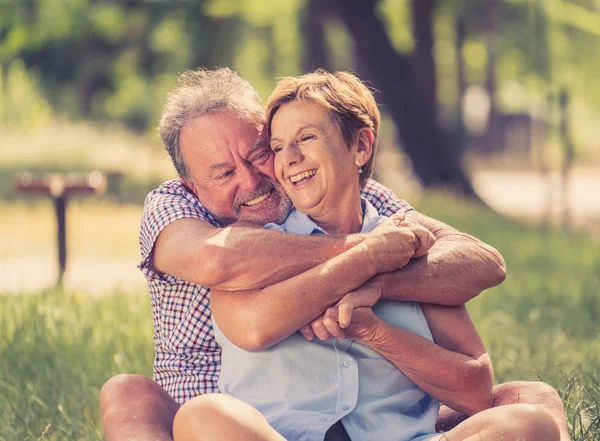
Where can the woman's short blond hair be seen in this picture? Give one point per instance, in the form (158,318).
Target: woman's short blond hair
(348,100)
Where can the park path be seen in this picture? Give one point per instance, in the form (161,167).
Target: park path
(519,194)
(90,276)
(531,196)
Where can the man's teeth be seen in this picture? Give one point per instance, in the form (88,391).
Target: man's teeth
(303,175)
(258,199)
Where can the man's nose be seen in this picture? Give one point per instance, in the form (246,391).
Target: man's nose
(251,177)
(292,154)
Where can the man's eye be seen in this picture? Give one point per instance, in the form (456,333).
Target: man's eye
(225,175)
(262,155)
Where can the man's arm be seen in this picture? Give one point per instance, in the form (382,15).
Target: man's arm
(455,368)
(458,268)
(241,256)
(256,319)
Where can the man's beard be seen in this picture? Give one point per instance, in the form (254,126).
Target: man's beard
(276,207)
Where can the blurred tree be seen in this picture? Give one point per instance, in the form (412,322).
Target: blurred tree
(408,88)
(316,53)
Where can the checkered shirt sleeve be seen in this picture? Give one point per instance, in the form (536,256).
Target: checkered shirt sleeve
(384,200)
(188,359)
(169,202)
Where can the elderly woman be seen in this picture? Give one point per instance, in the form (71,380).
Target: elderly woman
(382,378)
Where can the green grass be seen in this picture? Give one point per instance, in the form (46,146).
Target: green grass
(56,352)
(57,349)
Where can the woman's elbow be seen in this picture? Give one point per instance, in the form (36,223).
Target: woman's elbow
(481,381)
(253,340)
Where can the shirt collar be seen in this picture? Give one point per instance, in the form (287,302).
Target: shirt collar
(300,223)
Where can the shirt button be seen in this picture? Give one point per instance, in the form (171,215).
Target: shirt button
(345,407)
(347,363)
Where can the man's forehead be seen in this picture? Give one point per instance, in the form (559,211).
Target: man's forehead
(224,132)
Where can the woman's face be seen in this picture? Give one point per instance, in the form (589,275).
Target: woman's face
(312,161)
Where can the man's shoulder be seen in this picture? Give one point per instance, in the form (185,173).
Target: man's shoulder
(383,199)
(175,197)
(174,187)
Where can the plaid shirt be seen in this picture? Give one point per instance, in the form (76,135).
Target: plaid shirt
(188,359)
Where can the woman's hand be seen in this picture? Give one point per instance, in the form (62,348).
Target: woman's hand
(364,324)
(334,321)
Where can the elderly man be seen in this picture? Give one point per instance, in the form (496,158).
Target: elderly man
(202,231)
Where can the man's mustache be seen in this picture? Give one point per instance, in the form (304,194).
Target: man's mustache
(266,186)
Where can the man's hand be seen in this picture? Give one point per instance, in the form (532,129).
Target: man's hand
(335,319)
(424,236)
(396,240)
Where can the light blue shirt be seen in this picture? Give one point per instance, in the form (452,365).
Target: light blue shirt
(304,387)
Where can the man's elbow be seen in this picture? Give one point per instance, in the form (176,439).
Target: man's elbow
(497,270)
(493,273)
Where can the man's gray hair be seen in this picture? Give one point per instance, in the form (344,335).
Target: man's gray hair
(203,92)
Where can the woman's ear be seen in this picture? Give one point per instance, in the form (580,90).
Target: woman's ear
(364,148)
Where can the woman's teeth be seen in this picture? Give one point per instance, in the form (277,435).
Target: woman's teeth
(302,176)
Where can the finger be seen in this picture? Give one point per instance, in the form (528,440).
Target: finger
(307,332)
(345,314)
(319,329)
(398,218)
(424,238)
(333,327)
(332,313)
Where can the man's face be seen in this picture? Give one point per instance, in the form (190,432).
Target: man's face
(231,170)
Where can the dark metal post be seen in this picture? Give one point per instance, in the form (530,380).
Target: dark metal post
(60,206)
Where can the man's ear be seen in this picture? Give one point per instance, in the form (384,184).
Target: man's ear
(364,149)
(190,184)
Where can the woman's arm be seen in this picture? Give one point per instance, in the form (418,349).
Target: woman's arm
(455,368)
(257,319)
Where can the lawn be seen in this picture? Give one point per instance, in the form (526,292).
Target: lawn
(542,323)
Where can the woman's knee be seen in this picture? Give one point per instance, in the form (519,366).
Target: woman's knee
(214,410)
(533,423)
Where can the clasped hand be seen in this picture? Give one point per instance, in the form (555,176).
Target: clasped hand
(391,244)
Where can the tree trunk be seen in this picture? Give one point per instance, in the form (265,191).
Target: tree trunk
(316,54)
(408,89)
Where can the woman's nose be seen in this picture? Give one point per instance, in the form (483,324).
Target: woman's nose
(292,155)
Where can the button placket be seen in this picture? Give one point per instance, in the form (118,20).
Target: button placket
(348,393)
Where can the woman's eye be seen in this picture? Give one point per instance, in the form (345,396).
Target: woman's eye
(306,138)
(276,149)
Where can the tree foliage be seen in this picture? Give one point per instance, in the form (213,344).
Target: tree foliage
(117,59)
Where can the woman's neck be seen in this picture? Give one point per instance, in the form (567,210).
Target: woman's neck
(344,217)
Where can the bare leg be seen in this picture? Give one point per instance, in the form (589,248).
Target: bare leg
(537,393)
(218,417)
(513,422)
(135,408)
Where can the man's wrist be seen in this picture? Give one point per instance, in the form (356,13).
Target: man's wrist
(389,285)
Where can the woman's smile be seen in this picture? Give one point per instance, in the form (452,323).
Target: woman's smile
(312,162)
